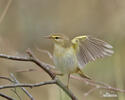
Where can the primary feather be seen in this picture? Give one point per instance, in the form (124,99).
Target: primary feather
(89,48)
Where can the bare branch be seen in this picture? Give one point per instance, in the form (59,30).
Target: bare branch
(26,70)
(47,52)
(61,85)
(14,90)
(32,58)
(6,78)
(15,57)
(46,68)
(90,91)
(5,11)
(98,85)
(7,97)
(25,91)
(28,85)
(42,65)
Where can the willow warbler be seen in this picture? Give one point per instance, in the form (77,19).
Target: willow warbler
(71,56)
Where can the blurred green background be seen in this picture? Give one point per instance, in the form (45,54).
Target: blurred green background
(26,21)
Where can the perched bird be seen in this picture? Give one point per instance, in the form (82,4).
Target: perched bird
(70,56)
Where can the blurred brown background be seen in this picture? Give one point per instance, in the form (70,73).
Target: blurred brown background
(26,21)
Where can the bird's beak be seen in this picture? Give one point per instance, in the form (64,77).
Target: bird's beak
(47,37)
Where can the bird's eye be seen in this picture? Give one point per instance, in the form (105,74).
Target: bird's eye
(56,37)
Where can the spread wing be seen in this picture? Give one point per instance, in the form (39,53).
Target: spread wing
(89,48)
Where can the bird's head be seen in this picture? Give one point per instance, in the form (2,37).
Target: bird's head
(58,38)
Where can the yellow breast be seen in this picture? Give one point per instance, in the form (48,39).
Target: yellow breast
(65,59)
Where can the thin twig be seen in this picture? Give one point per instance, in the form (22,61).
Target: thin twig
(61,85)
(32,58)
(15,57)
(47,52)
(90,91)
(7,97)
(6,78)
(44,66)
(26,70)
(24,90)
(98,85)
(41,64)
(27,93)
(14,90)
(28,85)
(5,11)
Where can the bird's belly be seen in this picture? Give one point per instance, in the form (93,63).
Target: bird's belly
(66,63)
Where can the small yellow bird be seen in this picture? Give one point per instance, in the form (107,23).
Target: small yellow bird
(70,56)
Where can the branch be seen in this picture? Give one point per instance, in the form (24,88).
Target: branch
(15,57)
(5,11)
(28,85)
(90,91)
(24,90)
(61,85)
(31,58)
(99,85)
(47,52)
(55,80)
(7,97)
(42,65)
(15,81)
(14,90)
(6,78)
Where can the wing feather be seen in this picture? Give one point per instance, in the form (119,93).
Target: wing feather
(90,49)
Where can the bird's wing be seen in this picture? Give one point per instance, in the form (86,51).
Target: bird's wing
(89,48)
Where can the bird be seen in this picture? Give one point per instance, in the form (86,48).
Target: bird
(71,55)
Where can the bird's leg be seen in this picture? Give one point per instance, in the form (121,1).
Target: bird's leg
(68,80)
(82,74)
